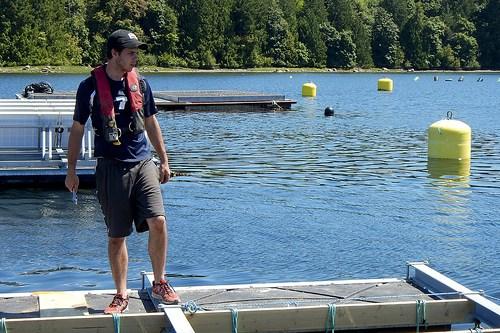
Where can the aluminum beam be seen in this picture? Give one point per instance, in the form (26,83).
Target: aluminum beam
(425,277)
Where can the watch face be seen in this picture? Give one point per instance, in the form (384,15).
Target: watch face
(133,87)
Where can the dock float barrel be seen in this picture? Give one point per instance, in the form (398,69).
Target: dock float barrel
(309,89)
(385,84)
(449,139)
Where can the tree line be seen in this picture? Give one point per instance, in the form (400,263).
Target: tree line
(419,34)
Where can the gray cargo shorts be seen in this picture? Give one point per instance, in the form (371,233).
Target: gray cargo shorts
(129,193)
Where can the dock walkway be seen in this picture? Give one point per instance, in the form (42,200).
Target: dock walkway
(389,304)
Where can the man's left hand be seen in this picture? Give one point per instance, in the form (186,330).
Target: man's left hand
(164,173)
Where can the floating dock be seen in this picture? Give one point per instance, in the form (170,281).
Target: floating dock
(425,300)
(220,100)
(33,143)
(34,129)
(198,100)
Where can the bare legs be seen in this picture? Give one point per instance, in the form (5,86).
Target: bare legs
(118,259)
(157,248)
(157,245)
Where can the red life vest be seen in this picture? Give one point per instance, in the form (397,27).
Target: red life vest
(107,111)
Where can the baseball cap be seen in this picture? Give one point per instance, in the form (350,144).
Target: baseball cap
(124,39)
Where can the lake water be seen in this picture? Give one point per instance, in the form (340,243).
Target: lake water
(287,195)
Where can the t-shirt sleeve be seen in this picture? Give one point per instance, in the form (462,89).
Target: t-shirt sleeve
(82,105)
(149,101)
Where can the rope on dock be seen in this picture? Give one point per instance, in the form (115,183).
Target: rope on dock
(234,320)
(421,314)
(116,322)
(330,322)
(3,326)
(191,307)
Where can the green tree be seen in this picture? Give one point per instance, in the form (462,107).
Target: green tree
(246,34)
(412,40)
(106,16)
(433,33)
(488,33)
(75,21)
(348,16)
(386,48)
(203,24)
(399,9)
(341,50)
(160,26)
(279,46)
(311,18)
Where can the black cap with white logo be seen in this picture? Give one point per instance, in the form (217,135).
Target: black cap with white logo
(124,39)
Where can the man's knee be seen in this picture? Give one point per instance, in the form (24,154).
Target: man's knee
(157,224)
(115,244)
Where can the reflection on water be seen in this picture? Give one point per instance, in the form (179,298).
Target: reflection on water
(447,168)
(289,195)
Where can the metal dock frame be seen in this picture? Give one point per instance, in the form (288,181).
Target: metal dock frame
(427,278)
(174,315)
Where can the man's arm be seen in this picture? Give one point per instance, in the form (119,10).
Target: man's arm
(74,147)
(156,138)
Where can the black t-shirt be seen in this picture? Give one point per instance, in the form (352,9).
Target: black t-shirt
(133,148)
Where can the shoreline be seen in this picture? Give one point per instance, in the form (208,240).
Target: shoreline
(162,70)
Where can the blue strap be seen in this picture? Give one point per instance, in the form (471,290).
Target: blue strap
(421,315)
(116,322)
(330,321)
(234,320)
(3,326)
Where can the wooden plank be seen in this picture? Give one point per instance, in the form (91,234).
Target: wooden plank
(300,319)
(149,278)
(472,330)
(149,322)
(57,304)
(348,316)
(177,319)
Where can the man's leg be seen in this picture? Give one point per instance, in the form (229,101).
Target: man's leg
(157,245)
(118,259)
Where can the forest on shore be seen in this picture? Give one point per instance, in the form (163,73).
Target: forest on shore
(236,34)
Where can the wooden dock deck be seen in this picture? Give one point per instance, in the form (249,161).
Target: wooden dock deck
(380,305)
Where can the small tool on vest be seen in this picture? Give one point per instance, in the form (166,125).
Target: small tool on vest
(74,198)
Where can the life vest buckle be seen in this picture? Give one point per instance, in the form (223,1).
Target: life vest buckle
(112,134)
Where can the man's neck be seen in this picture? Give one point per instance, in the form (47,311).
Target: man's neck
(114,72)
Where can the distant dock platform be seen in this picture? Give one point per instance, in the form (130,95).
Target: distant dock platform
(34,129)
(199,100)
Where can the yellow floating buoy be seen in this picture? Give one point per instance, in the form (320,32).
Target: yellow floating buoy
(309,89)
(450,139)
(385,84)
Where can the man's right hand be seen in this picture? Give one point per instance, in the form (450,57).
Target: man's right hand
(72,181)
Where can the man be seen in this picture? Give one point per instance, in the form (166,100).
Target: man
(122,109)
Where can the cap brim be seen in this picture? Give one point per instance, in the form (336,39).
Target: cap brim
(136,44)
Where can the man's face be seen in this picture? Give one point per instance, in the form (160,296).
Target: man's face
(126,59)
